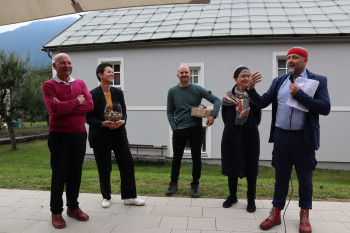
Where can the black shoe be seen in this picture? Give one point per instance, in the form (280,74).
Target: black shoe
(172,189)
(229,201)
(251,206)
(194,191)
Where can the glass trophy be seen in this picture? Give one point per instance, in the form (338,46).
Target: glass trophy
(113,113)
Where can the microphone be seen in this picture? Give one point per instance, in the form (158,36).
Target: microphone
(291,72)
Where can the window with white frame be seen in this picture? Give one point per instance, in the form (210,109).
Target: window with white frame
(279,65)
(195,75)
(118,69)
(282,68)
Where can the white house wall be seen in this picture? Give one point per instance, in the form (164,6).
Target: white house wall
(150,71)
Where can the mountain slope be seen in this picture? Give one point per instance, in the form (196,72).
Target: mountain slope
(31,38)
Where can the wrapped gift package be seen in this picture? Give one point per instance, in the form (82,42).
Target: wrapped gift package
(201,112)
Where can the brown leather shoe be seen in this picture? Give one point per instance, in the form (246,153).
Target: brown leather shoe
(273,220)
(77,214)
(57,221)
(305,226)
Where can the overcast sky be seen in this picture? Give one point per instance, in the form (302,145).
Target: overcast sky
(12,27)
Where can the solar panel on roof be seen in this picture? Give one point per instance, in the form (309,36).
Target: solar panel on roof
(282,31)
(344,29)
(240,25)
(147,30)
(221,26)
(261,31)
(239,31)
(257,25)
(158,17)
(181,34)
(221,32)
(114,31)
(325,30)
(338,17)
(185,27)
(341,23)
(88,40)
(143,36)
(302,24)
(97,32)
(313,11)
(305,30)
(82,33)
(204,26)
(219,18)
(200,33)
(105,39)
(166,28)
(122,38)
(161,35)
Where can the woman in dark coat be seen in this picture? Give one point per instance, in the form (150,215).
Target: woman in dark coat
(240,145)
(106,135)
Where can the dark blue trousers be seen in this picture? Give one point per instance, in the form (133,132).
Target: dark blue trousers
(290,149)
(67,157)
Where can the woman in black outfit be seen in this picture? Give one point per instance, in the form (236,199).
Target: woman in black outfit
(108,135)
(240,145)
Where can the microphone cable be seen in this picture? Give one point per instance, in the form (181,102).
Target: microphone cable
(291,195)
(290,72)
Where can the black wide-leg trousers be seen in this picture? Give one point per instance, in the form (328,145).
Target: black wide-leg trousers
(119,144)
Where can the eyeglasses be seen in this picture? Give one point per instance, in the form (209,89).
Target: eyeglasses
(244,76)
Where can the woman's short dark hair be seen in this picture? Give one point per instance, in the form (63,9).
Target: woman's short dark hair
(101,69)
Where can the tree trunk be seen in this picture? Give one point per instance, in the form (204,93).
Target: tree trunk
(12,135)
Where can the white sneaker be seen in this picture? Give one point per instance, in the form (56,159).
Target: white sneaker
(105,203)
(134,201)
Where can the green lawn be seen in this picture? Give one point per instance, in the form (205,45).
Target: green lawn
(35,124)
(29,168)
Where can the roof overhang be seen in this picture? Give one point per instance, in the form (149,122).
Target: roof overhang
(248,39)
(16,11)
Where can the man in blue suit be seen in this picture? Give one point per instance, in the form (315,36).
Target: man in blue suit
(295,133)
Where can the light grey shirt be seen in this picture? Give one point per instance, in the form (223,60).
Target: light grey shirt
(288,118)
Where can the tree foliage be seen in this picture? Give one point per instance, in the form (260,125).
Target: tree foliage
(12,72)
(32,102)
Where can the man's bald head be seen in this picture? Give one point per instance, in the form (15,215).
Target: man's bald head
(63,66)
(181,67)
(184,75)
(60,56)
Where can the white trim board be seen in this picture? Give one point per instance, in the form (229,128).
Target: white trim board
(269,108)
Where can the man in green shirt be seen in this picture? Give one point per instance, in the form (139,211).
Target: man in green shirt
(181,98)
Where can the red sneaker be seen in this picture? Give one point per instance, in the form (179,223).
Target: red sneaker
(57,221)
(77,214)
(273,220)
(305,226)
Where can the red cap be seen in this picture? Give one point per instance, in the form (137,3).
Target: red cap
(298,50)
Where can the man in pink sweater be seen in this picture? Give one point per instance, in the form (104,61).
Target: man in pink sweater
(67,100)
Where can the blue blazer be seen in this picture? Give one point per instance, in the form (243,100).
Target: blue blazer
(319,104)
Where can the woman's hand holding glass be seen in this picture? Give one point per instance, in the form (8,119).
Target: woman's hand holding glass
(112,124)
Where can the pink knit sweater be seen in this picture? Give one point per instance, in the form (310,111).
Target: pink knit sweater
(67,116)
